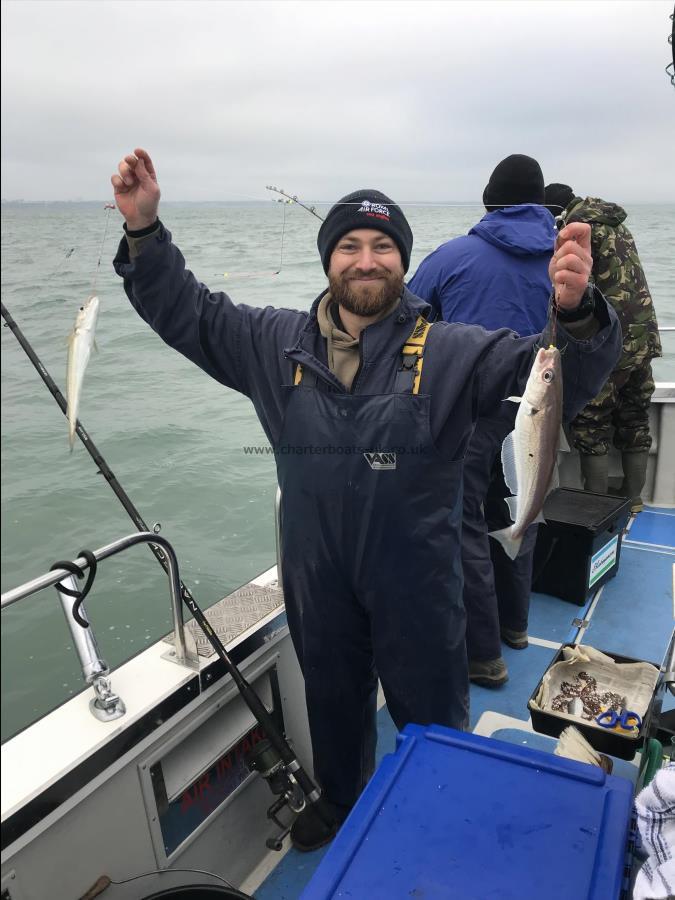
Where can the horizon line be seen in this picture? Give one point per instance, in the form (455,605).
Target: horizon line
(20,201)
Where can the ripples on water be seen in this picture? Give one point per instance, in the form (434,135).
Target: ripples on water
(172,436)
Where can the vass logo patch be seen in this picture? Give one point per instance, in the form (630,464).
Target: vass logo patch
(381,460)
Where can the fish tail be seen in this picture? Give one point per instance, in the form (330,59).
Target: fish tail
(506,538)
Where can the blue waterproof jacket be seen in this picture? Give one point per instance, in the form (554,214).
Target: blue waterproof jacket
(496,275)
(468,372)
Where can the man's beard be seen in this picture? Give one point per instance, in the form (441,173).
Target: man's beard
(366,299)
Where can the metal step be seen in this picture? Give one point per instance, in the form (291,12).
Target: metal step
(235,614)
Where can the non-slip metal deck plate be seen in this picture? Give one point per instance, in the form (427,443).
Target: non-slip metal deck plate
(234,614)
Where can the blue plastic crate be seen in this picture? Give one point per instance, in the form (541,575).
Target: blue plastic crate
(456,815)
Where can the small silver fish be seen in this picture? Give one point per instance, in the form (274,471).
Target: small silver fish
(530,451)
(80,342)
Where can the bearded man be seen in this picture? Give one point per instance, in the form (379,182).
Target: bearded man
(369,409)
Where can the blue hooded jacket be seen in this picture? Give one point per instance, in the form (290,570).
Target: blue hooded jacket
(496,275)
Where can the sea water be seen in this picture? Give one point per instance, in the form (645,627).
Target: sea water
(175,439)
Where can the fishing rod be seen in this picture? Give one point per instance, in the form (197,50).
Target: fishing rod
(273,757)
(293,199)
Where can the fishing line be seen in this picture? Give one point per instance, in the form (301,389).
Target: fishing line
(108,207)
(281,252)
(262,274)
(458,204)
(68,254)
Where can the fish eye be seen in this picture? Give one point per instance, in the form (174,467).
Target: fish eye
(547,376)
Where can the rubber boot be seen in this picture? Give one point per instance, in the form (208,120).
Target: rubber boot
(634,476)
(595,472)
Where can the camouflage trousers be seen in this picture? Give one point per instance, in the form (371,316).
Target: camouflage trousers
(619,414)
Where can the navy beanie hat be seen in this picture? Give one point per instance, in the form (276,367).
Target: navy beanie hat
(516,179)
(366,208)
(558,197)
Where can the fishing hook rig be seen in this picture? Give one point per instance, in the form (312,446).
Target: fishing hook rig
(261,274)
(292,199)
(108,208)
(66,256)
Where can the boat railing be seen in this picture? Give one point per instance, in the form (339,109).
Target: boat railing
(106,705)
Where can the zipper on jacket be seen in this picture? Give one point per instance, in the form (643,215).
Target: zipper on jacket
(352,390)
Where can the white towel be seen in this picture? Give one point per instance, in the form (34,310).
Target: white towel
(655,807)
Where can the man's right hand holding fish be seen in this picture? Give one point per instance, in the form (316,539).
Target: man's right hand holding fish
(530,451)
(571,265)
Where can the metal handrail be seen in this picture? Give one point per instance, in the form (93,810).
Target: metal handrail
(139,537)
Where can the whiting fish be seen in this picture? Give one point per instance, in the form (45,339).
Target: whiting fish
(80,342)
(530,451)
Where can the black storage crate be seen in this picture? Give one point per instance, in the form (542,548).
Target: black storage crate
(603,740)
(579,547)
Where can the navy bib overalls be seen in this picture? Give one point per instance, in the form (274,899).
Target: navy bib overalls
(369,512)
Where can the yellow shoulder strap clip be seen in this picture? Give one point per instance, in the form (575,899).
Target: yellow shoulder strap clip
(414,347)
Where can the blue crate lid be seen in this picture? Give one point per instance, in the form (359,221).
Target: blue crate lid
(457,815)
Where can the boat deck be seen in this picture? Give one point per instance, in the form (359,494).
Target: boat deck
(631,615)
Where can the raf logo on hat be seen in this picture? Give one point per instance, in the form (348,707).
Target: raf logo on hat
(376,210)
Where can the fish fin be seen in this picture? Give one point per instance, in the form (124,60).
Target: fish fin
(512,399)
(509,463)
(512,503)
(510,544)
(564,444)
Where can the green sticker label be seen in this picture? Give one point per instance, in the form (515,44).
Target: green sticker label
(603,560)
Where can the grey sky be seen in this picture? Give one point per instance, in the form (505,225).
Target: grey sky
(418,99)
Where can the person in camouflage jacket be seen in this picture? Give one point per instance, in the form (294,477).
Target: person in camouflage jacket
(620,412)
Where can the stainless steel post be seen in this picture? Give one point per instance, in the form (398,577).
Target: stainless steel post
(106,705)
(84,639)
